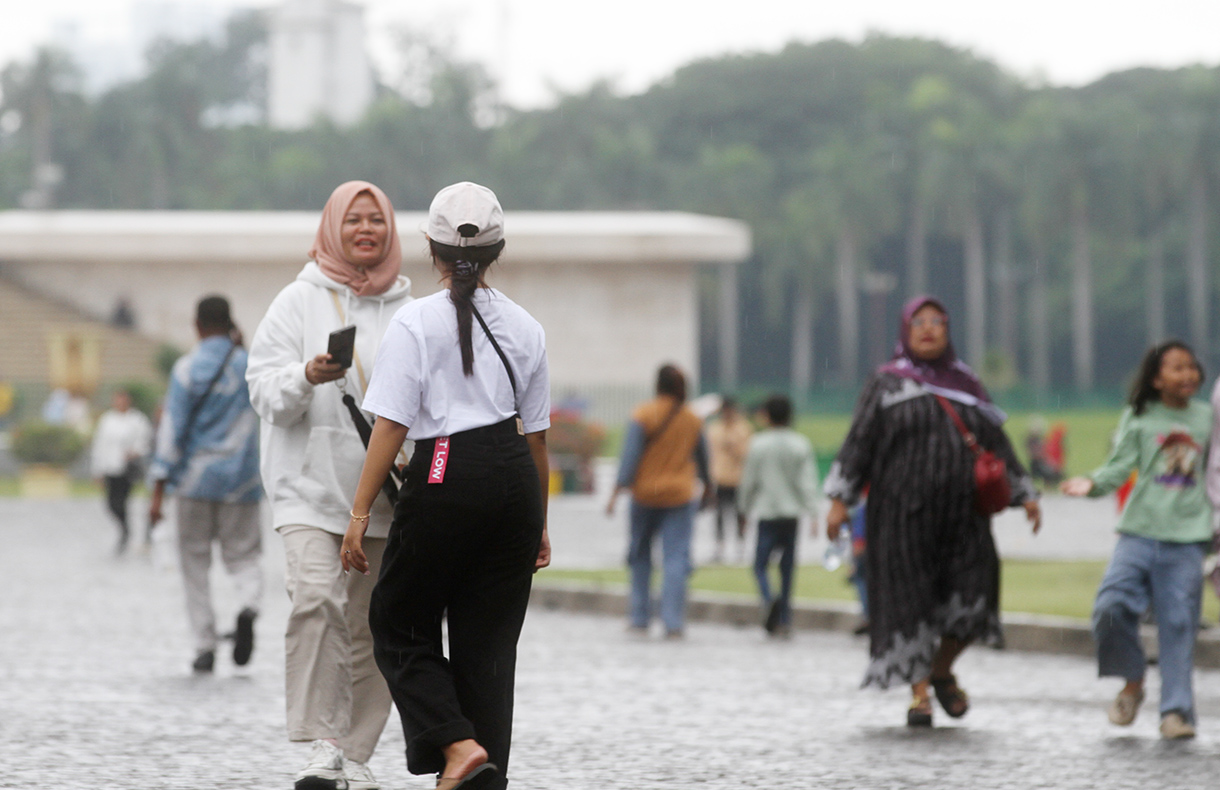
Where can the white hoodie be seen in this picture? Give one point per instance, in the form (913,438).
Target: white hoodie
(311,452)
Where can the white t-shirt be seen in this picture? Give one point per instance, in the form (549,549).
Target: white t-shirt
(121,436)
(418,379)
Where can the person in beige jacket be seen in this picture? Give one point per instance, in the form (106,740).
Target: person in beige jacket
(664,454)
(728,441)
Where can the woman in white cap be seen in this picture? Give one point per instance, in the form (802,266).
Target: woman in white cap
(465,371)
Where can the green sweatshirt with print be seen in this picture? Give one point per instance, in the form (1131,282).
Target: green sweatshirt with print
(1168,449)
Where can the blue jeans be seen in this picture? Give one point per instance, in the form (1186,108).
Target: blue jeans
(1169,577)
(674,525)
(776,534)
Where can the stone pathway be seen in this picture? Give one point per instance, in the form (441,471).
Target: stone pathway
(95,691)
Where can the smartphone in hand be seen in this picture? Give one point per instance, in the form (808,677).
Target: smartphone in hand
(342,344)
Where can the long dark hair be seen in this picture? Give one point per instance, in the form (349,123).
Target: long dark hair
(464,266)
(1142,390)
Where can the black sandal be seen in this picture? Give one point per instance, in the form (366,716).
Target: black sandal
(920,712)
(950,696)
(484,771)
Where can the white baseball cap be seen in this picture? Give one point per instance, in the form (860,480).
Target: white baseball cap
(466,215)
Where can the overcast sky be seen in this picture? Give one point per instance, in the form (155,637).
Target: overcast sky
(533,47)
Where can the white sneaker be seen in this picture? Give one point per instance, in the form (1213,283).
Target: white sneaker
(1125,706)
(359,777)
(324,771)
(1175,727)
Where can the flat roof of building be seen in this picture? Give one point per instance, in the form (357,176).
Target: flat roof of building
(572,237)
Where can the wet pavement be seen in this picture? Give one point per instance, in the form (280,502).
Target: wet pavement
(95,691)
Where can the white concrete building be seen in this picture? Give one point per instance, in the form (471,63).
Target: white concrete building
(617,292)
(319,64)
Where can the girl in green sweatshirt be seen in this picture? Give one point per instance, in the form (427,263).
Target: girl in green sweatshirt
(1164,534)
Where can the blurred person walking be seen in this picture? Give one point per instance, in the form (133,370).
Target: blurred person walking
(121,443)
(312,451)
(207,457)
(663,453)
(933,574)
(1164,535)
(728,440)
(470,525)
(778,487)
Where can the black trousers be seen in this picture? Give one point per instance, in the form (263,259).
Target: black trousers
(118,489)
(726,506)
(462,550)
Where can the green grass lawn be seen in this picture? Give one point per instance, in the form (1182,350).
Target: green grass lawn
(1052,588)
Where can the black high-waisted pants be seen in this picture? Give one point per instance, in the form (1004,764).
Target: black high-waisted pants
(463,550)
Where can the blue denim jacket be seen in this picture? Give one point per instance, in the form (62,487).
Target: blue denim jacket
(216,457)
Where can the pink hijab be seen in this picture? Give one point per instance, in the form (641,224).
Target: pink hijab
(327,248)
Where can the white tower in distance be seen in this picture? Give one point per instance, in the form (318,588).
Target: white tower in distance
(319,65)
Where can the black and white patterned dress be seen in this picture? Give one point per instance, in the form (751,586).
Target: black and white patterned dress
(931,559)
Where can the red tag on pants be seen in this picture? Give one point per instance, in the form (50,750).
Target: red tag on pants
(440,457)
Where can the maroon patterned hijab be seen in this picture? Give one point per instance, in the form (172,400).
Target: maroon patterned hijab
(946,372)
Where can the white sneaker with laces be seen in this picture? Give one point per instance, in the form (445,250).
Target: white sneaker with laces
(359,777)
(324,771)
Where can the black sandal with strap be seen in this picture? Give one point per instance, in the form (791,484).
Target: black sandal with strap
(920,712)
(950,696)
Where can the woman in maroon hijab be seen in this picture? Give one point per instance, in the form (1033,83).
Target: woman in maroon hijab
(933,573)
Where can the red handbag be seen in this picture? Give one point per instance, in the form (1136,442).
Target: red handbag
(991,490)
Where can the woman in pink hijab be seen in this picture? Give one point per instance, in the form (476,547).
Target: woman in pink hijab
(311,459)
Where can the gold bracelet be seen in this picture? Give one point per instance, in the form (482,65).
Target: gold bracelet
(365,517)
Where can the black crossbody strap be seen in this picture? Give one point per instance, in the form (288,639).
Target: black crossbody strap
(511,378)
(652,437)
(198,404)
(366,432)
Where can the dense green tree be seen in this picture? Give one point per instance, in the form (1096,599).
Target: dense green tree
(1066,227)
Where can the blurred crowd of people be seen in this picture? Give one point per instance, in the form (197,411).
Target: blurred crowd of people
(924,467)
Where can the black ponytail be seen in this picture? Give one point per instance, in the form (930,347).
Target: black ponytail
(465,267)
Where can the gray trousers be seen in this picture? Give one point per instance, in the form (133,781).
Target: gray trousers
(236,527)
(334,689)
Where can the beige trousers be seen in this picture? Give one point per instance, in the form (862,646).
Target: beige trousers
(236,527)
(334,689)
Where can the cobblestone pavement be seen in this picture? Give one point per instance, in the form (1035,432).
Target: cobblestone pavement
(95,691)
